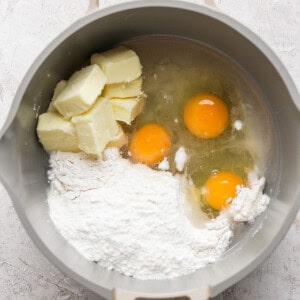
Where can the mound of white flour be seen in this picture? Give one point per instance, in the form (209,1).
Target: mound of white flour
(130,218)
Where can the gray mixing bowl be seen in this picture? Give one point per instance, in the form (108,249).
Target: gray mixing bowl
(23,162)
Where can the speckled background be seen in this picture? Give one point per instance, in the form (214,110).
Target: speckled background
(26,28)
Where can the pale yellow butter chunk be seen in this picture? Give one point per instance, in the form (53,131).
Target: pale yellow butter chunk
(126,110)
(119,140)
(119,64)
(55,133)
(124,89)
(58,89)
(96,128)
(81,91)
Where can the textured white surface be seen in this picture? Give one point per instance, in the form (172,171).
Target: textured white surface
(26,28)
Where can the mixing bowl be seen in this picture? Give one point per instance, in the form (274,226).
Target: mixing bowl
(23,162)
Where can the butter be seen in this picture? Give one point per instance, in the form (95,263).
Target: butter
(124,89)
(119,140)
(80,92)
(96,128)
(127,109)
(55,133)
(119,64)
(58,89)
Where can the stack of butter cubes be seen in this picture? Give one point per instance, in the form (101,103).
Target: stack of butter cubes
(86,112)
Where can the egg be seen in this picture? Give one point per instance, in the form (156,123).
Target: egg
(150,144)
(220,188)
(206,116)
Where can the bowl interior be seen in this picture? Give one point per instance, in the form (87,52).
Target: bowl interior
(102,30)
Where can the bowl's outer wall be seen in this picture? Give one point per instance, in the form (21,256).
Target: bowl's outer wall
(23,162)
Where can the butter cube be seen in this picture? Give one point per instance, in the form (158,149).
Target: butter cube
(119,64)
(58,89)
(96,128)
(55,133)
(119,140)
(127,109)
(124,89)
(80,92)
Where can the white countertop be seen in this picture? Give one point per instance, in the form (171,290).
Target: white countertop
(26,28)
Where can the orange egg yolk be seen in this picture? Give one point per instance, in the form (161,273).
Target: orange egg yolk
(150,144)
(220,189)
(206,116)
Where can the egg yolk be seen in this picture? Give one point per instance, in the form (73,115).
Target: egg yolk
(150,144)
(206,116)
(220,189)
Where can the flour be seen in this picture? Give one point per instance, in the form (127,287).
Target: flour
(250,201)
(130,218)
(238,125)
(180,159)
(164,165)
